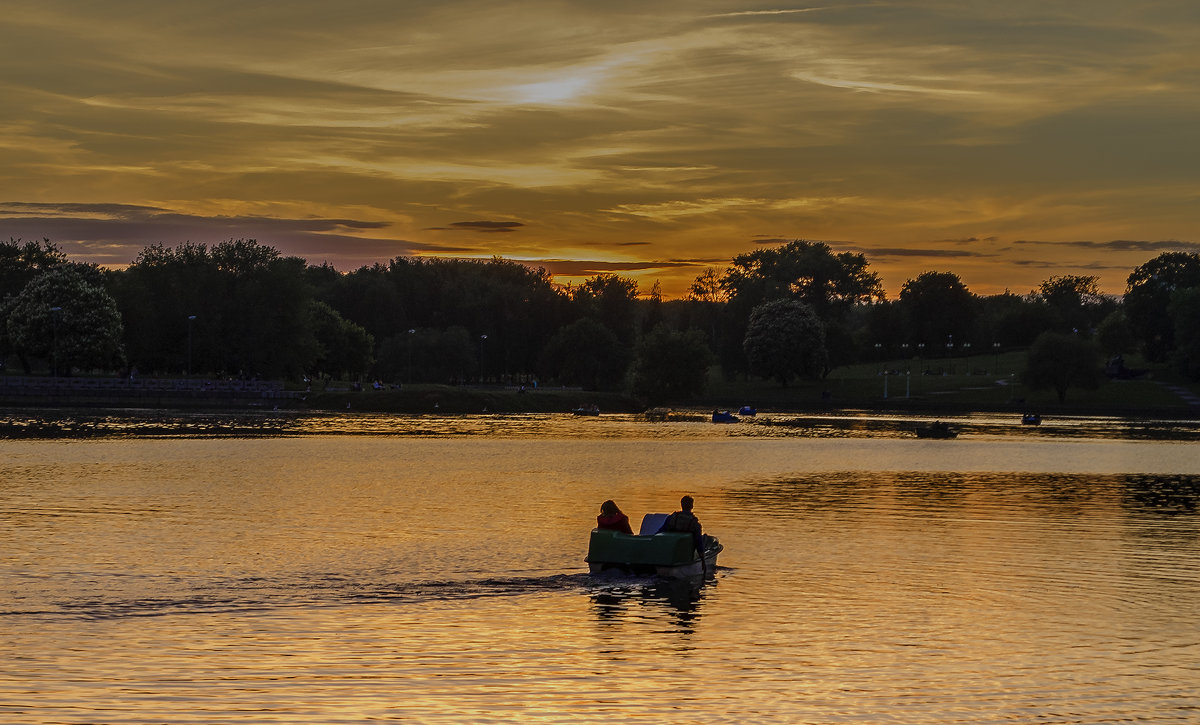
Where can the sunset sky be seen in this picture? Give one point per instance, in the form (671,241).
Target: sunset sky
(1003,141)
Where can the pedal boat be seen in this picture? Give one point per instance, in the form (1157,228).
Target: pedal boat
(667,554)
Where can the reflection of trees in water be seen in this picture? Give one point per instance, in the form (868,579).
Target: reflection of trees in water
(1178,494)
(1056,494)
(73,425)
(999,424)
(678,598)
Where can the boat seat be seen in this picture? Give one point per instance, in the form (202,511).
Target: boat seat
(651,523)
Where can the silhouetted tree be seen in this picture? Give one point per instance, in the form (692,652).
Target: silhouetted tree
(586,353)
(670,365)
(810,272)
(1114,335)
(1185,313)
(940,309)
(785,339)
(1077,301)
(344,349)
(611,300)
(65,316)
(1060,362)
(250,306)
(1148,295)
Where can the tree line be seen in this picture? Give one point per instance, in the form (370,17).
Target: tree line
(243,309)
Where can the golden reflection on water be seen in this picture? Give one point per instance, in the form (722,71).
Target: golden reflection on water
(345,578)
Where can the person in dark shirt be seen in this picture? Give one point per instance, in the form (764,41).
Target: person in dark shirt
(684,521)
(611,518)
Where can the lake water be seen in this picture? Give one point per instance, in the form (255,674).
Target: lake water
(346,569)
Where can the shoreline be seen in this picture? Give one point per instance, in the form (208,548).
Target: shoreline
(448,400)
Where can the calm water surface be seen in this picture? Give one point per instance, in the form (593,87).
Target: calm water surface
(198,569)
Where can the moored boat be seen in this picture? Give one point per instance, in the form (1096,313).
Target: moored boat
(1031,419)
(724,416)
(748,410)
(667,554)
(586,410)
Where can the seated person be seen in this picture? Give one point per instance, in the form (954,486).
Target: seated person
(684,521)
(612,519)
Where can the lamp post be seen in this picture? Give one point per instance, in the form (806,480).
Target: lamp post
(950,352)
(191,319)
(967,356)
(54,341)
(879,356)
(411,332)
(920,352)
(996,359)
(482,338)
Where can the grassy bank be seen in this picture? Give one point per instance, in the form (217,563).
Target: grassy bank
(933,386)
(990,383)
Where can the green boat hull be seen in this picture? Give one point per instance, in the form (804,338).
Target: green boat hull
(665,554)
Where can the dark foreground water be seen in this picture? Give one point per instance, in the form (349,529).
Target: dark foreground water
(354,569)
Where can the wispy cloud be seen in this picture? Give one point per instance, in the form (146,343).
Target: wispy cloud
(761,13)
(1124,245)
(114,234)
(341,131)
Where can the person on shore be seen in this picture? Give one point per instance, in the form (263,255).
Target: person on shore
(612,519)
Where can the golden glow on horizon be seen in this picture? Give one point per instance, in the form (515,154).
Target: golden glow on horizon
(1005,143)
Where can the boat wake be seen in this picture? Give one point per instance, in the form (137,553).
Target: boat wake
(263,594)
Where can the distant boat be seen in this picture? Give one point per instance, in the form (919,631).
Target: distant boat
(586,410)
(724,416)
(1031,419)
(936,430)
(747,410)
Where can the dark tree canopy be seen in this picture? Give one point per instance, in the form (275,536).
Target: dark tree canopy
(939,308)
(66,317)
(784,340)
(1148,295)
(1061,362)
(21,261)
(343,348)
(612,300)
(243,307)
(809,272)
(586,353)
(670,365)
(1185,313)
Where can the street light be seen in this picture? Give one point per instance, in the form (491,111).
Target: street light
(967,356)
(191,319)
(996,361)
(920,352)
(54,341)
(481,339)
(411,332)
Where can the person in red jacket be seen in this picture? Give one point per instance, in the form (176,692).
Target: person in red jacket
(611,518)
